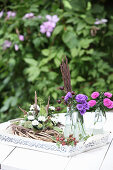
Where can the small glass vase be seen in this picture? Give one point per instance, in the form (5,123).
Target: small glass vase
(74,125)
(99,121)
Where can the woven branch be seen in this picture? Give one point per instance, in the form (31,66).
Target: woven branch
(66,75)
(45,135)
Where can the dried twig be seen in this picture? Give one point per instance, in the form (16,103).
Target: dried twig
(25,112)
(47,106)
(35,104)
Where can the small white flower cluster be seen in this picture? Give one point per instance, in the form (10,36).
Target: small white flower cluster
(42,118)
(52,108)
(32,108)
(35,122)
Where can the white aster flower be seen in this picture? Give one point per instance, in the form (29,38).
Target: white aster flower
(42,118)
(52,108)
(35,122)
(30,117)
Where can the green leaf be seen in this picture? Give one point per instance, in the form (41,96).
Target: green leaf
(45,52)
(36,42)
(30,61)
(57,30)
(80,79)
(57,62)
(67,4)
(70,39)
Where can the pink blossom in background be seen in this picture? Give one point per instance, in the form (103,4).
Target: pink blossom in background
(10,14)
(16,47)
(107,102)
(94,95)
(107,94)
(92,103)
(21,37)
(28,15)
(7,44)
(1,14)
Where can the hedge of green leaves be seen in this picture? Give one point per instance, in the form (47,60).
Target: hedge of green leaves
(32,62)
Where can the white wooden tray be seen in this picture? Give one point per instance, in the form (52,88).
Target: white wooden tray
(14,140)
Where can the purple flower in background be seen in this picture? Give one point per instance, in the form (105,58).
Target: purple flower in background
(101,21)
(81,98)
(47,28)
(68,95)
(39,16)
(82,111)
(1,14)
(21,37)
(10,14)
(6,44)
(28,15)
(16,47)
(53,19)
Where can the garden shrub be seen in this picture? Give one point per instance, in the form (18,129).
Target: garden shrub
(30,58)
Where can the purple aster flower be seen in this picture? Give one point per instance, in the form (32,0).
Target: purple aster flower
(16,47)
(1,14)
(82,111)
(80,98)
(28,15)
(101,21)
(86,105)
(6,44)
(68,95)
(80,106)
(21,37)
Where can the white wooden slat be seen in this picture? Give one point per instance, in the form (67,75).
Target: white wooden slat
(5,150)
(90,160)
(108,161)
(24,159)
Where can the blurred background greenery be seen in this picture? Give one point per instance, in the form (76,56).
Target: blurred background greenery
(34,63)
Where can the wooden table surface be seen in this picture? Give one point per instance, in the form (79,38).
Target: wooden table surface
(15,158)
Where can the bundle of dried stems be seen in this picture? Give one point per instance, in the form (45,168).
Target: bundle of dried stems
(66,75)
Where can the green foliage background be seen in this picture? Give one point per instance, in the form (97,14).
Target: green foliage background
(36,66)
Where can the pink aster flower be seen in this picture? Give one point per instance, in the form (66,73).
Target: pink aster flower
(21,37)
(94,95)
(107,102)
(110,106)
(107,94)
(92,103)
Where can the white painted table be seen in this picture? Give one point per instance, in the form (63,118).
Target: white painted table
(13,158)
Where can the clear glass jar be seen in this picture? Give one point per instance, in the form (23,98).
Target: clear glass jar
(74,124)
(99,121)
